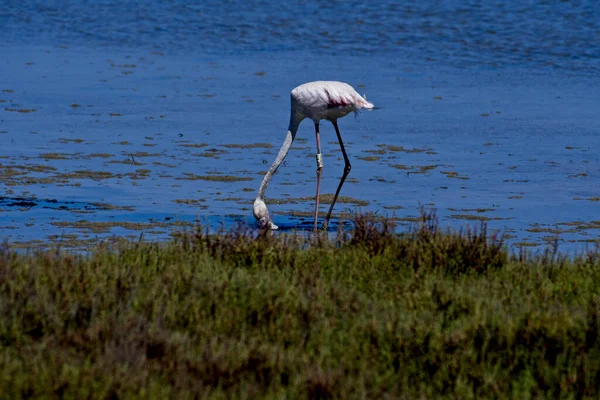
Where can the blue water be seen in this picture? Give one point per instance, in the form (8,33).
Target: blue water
(495,104)
(462,33)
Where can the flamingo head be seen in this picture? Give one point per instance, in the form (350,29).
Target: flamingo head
(261,213)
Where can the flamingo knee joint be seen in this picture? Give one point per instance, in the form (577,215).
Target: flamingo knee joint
(319,161)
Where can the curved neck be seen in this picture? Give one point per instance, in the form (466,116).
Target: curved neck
(285,147)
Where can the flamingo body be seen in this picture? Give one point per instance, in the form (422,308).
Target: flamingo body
(327,100)
(319,100)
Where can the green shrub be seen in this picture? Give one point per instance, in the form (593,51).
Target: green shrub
(369,314)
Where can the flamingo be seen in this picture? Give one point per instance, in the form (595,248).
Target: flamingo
(320,100)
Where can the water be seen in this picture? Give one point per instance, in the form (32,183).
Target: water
(562,34)
(126,120)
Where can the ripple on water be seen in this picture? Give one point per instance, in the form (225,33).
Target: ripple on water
(455,32)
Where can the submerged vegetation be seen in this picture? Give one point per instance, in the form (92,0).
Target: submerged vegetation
(368,314)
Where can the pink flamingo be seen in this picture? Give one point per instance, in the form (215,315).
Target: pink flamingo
(318,100)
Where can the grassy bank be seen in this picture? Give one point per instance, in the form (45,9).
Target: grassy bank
(425,315)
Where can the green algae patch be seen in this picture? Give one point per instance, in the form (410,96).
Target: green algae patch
(402,149)
(369,158)
(471,217)
(214,178)
(248,146)
(27,168)
(194,145)
(308,216)
(588,199)
(69,140)
(426,168)
(381,179)
(20,110)
(158,163)
(191,202)
(326,198)
(592,241)
(582,225)
(579,175)
(526,244)
(105,227)
(127,161)
(211,153)
(58,156)
(143,154)
(234,199)
(555,231)
(375,151)
(454,175)
(479,210)
(87,174)
(110,207)
(418,169)
(402,167)
(100,155)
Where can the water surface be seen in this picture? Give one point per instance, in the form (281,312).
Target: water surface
(123,120)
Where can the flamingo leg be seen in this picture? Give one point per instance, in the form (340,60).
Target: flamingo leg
(319,170)
(347,169)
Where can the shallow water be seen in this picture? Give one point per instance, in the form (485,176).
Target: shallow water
(128,121)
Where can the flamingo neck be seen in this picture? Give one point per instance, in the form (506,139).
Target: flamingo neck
(285,148)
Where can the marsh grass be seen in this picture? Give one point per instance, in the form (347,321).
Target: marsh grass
(370,314)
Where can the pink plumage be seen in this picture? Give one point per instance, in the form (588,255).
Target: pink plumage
(318,100)
(327,100)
